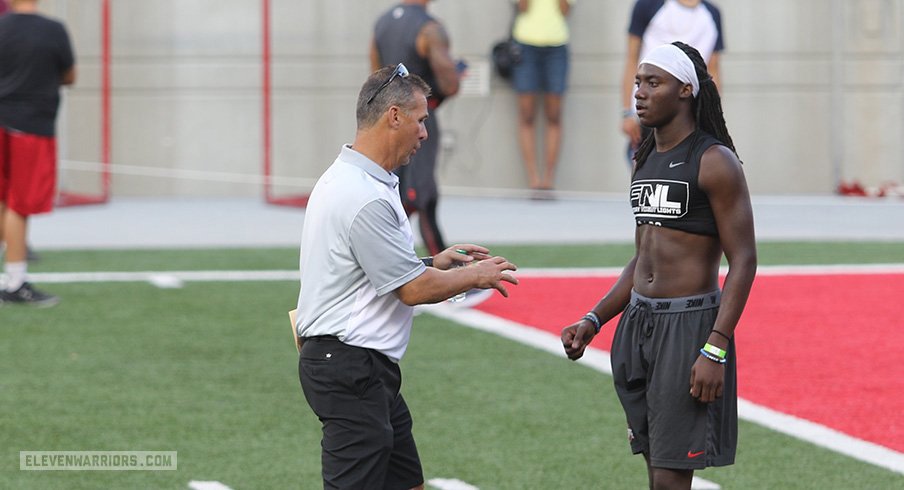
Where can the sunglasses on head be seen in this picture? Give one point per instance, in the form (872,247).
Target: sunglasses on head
(400,71)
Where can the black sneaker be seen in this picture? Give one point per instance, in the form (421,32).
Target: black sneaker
(28,295)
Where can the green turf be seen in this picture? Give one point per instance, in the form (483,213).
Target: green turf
(209,371)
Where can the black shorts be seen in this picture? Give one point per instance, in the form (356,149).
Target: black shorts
(367,440)
(655,346)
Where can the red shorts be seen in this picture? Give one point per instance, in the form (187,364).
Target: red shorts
(27,172)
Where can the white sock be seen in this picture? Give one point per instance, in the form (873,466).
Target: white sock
(16,275)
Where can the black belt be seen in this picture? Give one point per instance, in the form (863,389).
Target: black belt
(323,338)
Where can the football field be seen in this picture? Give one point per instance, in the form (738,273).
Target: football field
(190,351)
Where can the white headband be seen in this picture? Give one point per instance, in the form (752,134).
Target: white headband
(673,60)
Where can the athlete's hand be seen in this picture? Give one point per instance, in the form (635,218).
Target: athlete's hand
(576,338)
(707,379)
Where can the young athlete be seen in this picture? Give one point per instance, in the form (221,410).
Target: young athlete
(673,357)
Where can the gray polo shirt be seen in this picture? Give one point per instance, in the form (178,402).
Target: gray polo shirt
(357,248)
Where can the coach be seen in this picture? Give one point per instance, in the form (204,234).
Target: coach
(360,279)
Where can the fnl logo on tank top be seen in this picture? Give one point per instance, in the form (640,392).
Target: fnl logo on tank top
(653,200)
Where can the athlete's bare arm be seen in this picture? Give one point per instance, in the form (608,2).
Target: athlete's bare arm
(722,178)
(433,44)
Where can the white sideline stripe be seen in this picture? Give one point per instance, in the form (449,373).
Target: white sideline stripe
(805,430)
(763,270)
(166,281)
(822,436)
(207,485)
(148,276)
(293,275)
(450,484)
(545,341)
(698,483)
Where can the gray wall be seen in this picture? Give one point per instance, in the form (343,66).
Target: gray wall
(187,94)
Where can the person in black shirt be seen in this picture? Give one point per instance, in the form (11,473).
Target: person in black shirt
(408,34)
(35,60)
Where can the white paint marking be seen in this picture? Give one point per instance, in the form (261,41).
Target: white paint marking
(145,276)
(597,359)
(293,275)
(770,270)
(700,484)
(822,436)
(166,281)
(545,341)
(207,485)
(450,484)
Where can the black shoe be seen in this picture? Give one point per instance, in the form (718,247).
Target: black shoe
(28,295)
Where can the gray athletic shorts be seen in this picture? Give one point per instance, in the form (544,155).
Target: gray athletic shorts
(655,345)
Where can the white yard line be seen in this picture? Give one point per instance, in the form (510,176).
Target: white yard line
(207,485)
(450,484)
(152,276)
(292,275)
(763,270)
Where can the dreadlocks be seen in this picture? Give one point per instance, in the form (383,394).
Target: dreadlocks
(707,107)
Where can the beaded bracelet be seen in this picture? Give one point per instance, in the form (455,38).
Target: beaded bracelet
(711,357)
(594,319)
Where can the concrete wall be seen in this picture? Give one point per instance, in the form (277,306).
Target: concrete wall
(187,93)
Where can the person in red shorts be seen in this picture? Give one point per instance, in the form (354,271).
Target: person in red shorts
(35,60)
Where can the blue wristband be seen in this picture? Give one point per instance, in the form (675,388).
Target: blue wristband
(594,319)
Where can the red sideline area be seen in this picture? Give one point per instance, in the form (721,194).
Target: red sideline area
(825,348)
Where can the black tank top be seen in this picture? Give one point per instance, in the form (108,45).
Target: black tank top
(664,190)
(395,35)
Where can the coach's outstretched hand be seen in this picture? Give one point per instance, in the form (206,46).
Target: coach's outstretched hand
(492,273)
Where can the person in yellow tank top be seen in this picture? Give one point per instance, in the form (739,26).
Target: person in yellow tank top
(541,30)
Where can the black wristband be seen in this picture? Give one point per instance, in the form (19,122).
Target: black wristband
(722,334)
(592,317)
(428,261)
